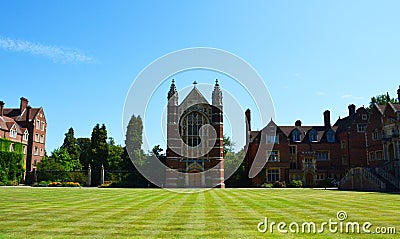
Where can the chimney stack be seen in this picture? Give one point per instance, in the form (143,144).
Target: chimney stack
(327,118)
(248,119)
(23,104)
(398,95)
(28,111)
(1,108)
(352,109)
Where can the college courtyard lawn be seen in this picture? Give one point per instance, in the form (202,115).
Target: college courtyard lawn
(27,212)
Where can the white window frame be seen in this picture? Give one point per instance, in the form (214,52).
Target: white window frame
(42,125)
(296,136)
(273,175)
(35,152)
(274,156)
(41,151)
(322,152)
(25,137)
(361,128)
(364,116)
(42,138)
(37,124)
(313,136)
(13,132)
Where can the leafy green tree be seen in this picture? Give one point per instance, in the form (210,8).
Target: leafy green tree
(134,140)
(70,145)
(115,155)
(134,134)
(156,151)
(382,99)
(98,151)
(85,151)
(228,144)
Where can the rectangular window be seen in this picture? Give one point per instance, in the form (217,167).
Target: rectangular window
(296,137)
(35,152)
(272,139)
(42,139)
(11,147)
(13,132)
(377,135)
(26,135)
(322,155)
(37,124)
(371,156)
(292,150)
(378,155)
(24,149)
(343,144)
(273,156)
(314,137)
(42,125)
(36,137)
(293,165)
(41,152)
(273,175)
(364,117)
(361,127)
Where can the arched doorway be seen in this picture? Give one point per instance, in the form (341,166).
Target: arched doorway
(309,180)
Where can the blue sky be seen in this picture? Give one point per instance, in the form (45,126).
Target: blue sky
(78,59)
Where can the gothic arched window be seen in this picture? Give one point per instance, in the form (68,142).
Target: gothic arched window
(191,128)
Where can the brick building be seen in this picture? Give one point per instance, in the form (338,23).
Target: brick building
(27,126)
(362,150)
(191,150)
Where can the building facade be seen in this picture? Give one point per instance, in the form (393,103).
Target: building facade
(311,154)
(195,139)
(27,126)
(361,150)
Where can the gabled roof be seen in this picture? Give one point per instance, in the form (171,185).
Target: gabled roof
(380,108)
(17,115)
(395,107)
(194,97)
(304,130)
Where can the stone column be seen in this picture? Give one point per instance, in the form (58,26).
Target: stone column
(203,179)
(89,176)
(102,175)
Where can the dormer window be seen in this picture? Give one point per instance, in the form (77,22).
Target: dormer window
(272,139)
(330,136)
(26,135)
(364,117)
(13,132)
(296,136)
(313,135)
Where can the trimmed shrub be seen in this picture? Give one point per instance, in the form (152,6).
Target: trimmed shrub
(295,184)
(279,184)
(267,185)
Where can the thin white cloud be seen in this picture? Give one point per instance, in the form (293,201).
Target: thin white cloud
(57,54)
(350,96)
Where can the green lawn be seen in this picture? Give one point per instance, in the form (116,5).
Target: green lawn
(219,213)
